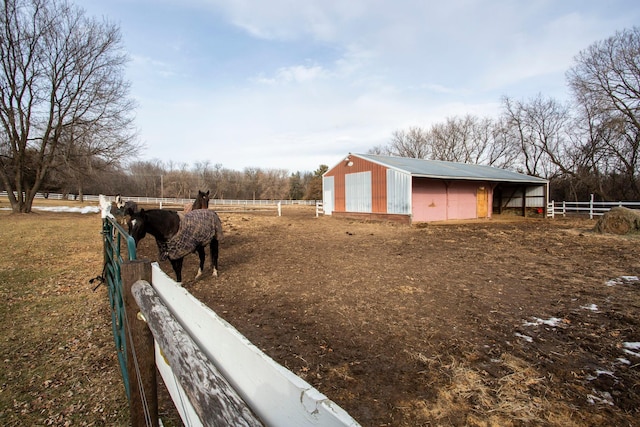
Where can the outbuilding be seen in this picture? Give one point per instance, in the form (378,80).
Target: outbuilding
(416,190)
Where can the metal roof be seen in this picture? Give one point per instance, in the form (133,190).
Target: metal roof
(450,170)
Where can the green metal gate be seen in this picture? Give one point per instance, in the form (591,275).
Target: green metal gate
(115,238)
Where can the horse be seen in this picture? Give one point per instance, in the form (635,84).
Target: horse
(177,237)
(120,208)
(201,202)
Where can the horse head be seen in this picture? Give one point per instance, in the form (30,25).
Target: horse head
(161,224)
(119,201)
(202,200)
(137,224)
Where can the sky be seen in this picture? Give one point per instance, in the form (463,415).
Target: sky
(295,84)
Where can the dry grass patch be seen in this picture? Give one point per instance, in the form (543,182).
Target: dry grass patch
(471,398)
(59,364)
(58,356)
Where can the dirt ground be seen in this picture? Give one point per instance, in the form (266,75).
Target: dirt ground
(497,322)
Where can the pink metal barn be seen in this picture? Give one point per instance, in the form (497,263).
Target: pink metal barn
(415,190)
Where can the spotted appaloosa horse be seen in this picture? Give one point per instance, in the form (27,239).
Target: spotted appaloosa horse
(177,237)
(201,202)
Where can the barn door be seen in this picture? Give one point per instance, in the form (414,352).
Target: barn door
(482,202)
(327,194)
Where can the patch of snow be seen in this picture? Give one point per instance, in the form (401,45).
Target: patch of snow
(524,337)
(600,397)
(622,280)
(552,321)
(591,307)
(598,373)
(82,210)
(629,348)
(623,361)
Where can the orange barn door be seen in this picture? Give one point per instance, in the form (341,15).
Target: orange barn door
(482,203)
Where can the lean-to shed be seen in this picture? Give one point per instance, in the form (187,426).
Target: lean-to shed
(416,190)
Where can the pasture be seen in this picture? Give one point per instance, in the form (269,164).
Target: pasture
(58,363)
(482,323)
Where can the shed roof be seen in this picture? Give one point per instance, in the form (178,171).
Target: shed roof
(450,170)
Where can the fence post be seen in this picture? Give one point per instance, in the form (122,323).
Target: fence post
(591,207)
(141,366)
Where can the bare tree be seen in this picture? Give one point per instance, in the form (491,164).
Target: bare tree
(467,139)
(147,178)
(62,94)
(274,183)
(606,85)
(539,127)
(413,142)
(449,140)
(502,152)
(181,182)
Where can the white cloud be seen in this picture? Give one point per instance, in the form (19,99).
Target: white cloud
(294,84)
(295,74)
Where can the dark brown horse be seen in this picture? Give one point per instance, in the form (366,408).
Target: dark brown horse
(177,237)
(201,202)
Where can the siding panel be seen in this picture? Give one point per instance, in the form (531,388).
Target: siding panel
(358,192)
(398,192)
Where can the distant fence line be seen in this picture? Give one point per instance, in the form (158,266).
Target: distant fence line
(172,201)
(591,208)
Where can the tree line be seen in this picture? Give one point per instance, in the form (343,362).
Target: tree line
(159,179)
(67,123)
(589,145)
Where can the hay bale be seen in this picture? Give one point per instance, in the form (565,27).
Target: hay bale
(619,220)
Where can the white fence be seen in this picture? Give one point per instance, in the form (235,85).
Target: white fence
(590,208)
(175,201)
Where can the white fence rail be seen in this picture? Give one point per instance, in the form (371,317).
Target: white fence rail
(591,208)
(175,201)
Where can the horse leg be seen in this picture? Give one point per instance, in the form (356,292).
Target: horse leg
(201,254)
(177,267)
(213,245)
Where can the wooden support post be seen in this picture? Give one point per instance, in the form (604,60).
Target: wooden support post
(141,365)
